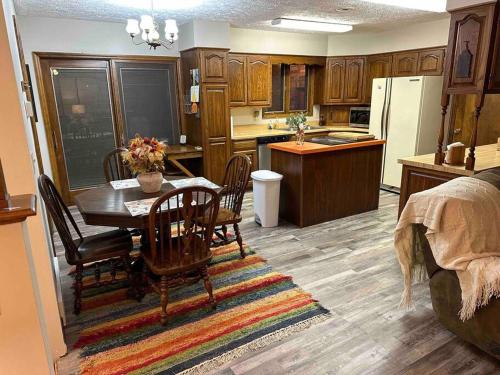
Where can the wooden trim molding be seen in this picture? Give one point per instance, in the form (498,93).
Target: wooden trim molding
(4,196)
(20,207)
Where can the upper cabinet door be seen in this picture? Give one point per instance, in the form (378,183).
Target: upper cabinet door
(379,66)
(468,47)
(334,82)
(430,62)
(404,64)
(237,69)
(259,80)
(213,66)
(354,73)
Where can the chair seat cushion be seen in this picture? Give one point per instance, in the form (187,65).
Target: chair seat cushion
(105,245)
(224,217)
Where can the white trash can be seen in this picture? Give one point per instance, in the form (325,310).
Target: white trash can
(266,197)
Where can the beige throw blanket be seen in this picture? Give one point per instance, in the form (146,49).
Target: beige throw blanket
(463,221)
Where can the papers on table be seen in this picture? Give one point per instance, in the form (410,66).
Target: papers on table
(143,206)
(196,181)
(126,184)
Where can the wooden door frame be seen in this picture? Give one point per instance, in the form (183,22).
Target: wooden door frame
(60,177)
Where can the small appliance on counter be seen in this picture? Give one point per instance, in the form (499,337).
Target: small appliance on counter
(359,117)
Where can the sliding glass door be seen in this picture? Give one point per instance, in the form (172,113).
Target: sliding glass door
(93,106)
(148,99)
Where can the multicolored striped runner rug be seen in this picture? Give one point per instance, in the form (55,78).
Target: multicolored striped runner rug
(255,307)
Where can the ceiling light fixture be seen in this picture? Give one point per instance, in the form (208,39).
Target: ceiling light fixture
(289,23)
(438,6)
(150,34)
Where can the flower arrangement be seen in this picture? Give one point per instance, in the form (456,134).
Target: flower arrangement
(295,120)
(144,155)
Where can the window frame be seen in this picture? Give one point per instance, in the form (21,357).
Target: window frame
(286,94)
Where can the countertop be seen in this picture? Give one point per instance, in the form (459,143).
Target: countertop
(242,132)
(314,148)
(487,157)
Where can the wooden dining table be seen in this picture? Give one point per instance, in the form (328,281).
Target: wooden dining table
(105,206)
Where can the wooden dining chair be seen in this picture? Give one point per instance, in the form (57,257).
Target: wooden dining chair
(113,166)
(179,250)
(234,185)
(111,247)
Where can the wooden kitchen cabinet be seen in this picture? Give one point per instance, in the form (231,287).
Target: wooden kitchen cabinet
(404,64)
(430,62)
(259,80)
(213,67)
(471,30)
(247,147)
(217,132)
(237,70)
(333,90)
(250,80)
(354,80)
(379,66)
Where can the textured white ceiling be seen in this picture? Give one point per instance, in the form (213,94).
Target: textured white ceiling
(250,13)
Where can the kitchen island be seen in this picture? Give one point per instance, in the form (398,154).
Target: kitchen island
(322,183)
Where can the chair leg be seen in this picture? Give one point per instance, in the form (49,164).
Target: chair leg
(239,239)
(112,271)
(164,299)
(78,289)
(97,274)
(208,286)
(224,232)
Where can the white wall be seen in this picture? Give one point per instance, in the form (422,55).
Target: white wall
(201,33)
(278,42)
(419,35)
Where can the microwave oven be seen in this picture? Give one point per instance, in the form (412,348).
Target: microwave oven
(359,117)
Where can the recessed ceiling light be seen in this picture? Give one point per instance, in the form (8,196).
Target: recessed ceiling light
(438,6)
(157,4)
(288,23)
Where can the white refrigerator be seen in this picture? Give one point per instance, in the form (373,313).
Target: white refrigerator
(406,112)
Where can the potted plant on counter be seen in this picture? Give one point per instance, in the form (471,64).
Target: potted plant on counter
(145,159)
(297,122)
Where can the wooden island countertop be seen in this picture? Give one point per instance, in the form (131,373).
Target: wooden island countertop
(322,183)
(315,148)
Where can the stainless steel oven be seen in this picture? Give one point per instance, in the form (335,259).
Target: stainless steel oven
(359,117)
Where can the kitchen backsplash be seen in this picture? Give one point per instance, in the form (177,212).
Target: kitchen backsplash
(245,116)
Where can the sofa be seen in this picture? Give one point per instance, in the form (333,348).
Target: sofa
(482,330)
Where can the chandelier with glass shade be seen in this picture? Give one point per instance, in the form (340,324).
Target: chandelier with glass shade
(148,28)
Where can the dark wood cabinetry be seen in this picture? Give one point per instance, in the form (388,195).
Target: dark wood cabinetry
(334,81)
(213,67)
(250,81)
(343,80)
(237,68)
(430,62)
(378,66)
(247,147)
(216,124)
(471,32)
(354,79)
(404,64)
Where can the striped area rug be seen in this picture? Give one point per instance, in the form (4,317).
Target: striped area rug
(255,307)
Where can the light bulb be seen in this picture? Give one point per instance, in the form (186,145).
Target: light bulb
(147,22)
(145,36)
(154,35)
(171,27)
(133,27)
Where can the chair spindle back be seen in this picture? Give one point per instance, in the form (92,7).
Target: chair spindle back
(113,166)
(235,182)
(61,216)
(176,238)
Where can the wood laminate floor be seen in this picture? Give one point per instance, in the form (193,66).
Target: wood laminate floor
(349,265)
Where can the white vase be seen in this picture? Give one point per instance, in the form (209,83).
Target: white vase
(150,182)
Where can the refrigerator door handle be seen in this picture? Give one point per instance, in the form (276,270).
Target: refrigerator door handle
(387,108)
